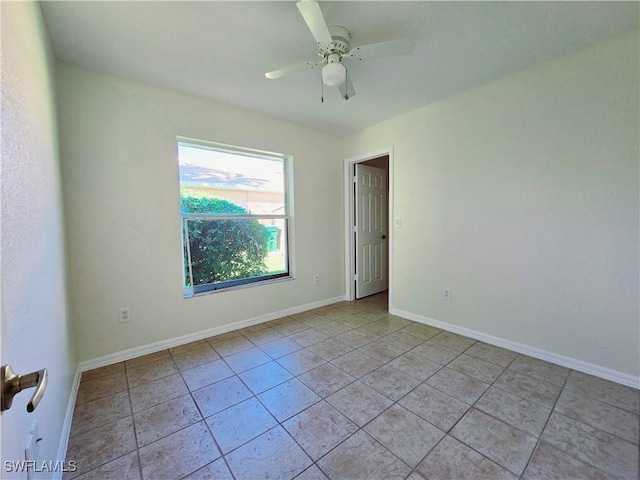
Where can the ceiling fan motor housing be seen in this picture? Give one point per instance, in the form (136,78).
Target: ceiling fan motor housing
(341,38)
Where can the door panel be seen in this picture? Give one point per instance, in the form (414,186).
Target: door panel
(371,230)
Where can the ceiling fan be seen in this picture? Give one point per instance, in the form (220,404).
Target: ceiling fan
(333,47)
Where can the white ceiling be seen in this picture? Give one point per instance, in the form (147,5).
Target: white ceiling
(221,50)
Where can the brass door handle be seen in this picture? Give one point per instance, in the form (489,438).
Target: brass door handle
(13,384)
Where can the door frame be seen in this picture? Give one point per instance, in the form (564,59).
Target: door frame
(349,218)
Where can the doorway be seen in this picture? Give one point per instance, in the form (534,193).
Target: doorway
(368,213)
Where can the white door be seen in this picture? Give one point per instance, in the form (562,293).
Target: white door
(371,230)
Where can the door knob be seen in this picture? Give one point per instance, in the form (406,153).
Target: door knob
(384,237)
(13,384)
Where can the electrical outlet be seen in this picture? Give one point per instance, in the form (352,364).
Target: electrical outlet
(316,279)
(125,315)
(447,294)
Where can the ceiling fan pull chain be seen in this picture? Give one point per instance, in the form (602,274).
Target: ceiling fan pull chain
(321,90)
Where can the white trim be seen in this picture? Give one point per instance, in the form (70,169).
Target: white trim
(579,365)
(192,337)
(349,253)
(66,426)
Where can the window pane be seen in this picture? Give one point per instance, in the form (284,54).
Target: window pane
(235,251)
(255,184)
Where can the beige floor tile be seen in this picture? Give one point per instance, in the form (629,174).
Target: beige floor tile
(362,457)
(102,371)
(319,428)
(220,395)
(206,374)
(593,432)
(102,411)
(415,366)
(291,327)
(605,391)
(595,447)
(502,443)
(230,346)
(452,459)
(434,406)
(492,354)
(312,473)
(330,349)
(150,371)
(288,399)
(309,337)
(359,402)
(356,363)
(422,331)
(101,445)
(188,347)
(608,418)
(326,379)
(549,463)
(280,348)
(273,454)
(458,385)
(528,387)
(223,337)
(100,387)
(163,419)
(301,361)
(240,423)
(540,370)
(216,470)
(264,335)
(247,359)
(151,357)
(435,353)
(355,338)
(452,341)
(195,357)
(157,391)
(333,329)
(403,339)
(390,382)
(514,410)
(405,434)
(178,454)
(123,468)
(264,377)
(476,368)
(382,351)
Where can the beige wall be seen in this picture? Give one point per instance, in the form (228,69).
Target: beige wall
(36,330)
(522,197)
(118,145)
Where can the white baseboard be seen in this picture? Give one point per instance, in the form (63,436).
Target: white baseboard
(579,365)
(66,426)
(192,337)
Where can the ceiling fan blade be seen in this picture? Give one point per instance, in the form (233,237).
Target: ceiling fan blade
(312,14)
(382,49)
(300,67)
(346,89)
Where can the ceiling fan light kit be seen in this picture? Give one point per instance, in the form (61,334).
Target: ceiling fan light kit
(333,46)
(334,73)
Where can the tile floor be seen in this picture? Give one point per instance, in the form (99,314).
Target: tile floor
(344,392)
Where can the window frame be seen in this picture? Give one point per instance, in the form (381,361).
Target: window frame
(287,217)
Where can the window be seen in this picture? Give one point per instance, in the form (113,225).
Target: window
(234,205)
